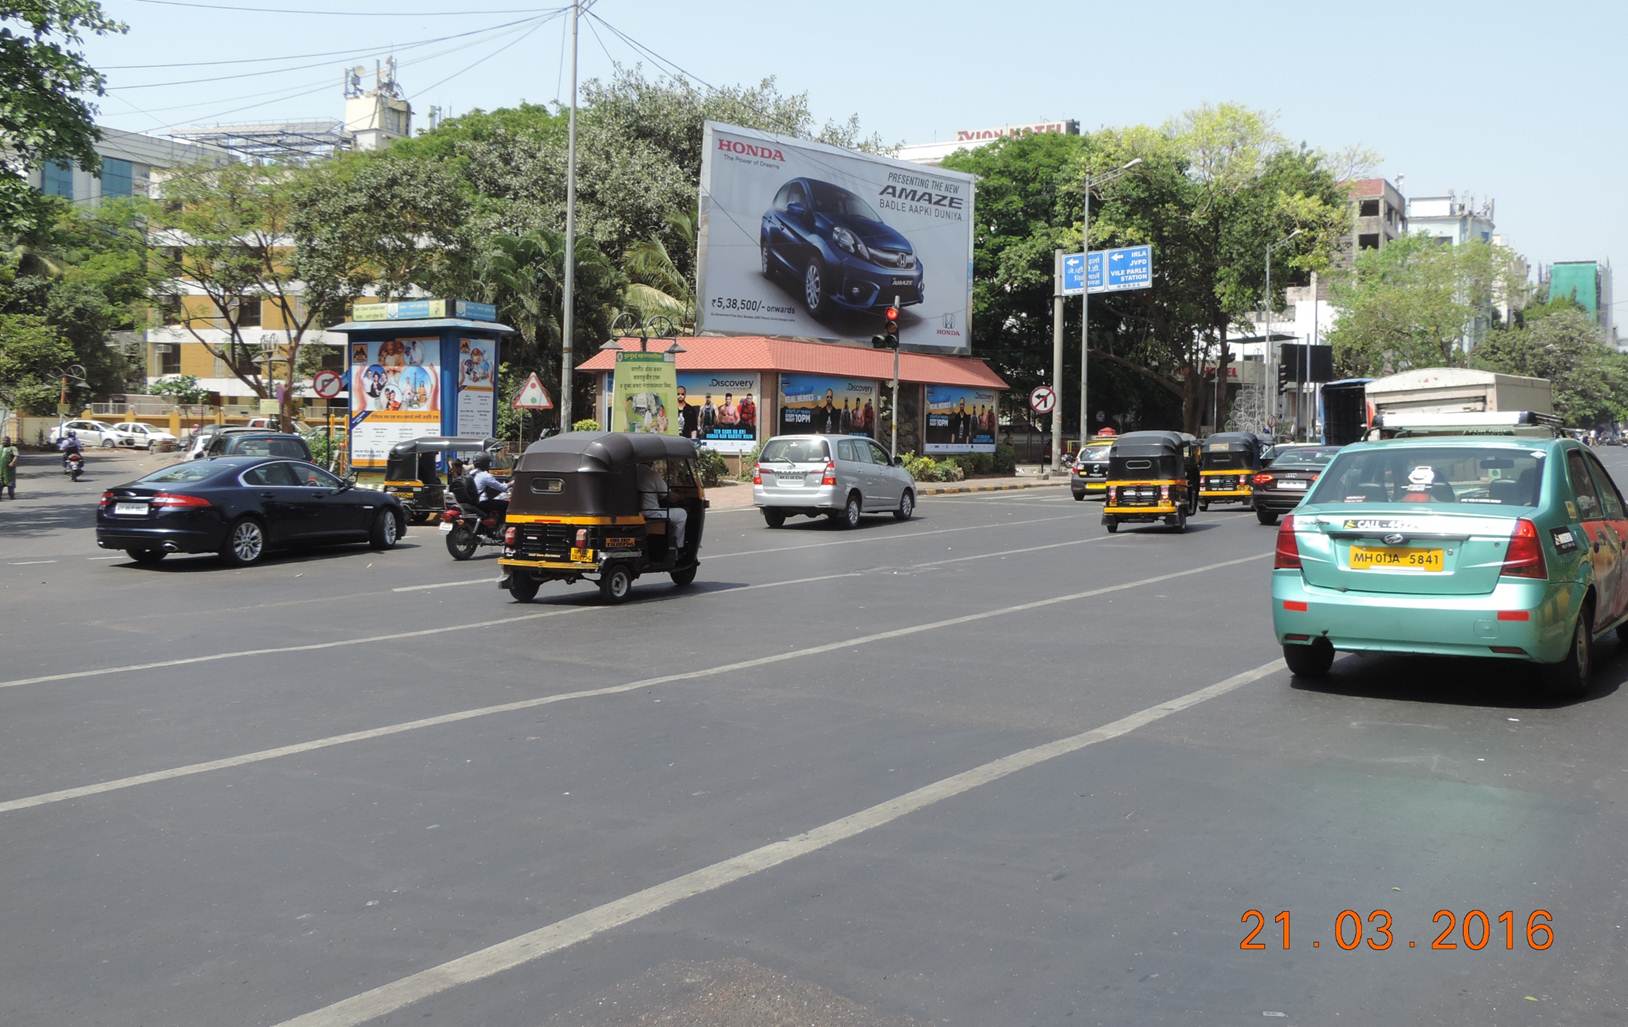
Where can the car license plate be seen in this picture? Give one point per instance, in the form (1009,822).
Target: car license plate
(1366,558)
(446,525)
(130,509)
(1291,485)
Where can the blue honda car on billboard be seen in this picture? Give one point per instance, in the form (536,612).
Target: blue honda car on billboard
(837,249)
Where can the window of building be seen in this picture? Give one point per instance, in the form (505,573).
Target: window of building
(116,177)
(1368,241)
(169,359)
(333,357)
(248,309)
(1368,209)
(56,179)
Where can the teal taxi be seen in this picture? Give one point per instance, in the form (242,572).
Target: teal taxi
(1485,546)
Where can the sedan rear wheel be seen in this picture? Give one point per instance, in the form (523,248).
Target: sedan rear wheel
(1568,679)
(245,543)
(774,518)
(146,557)
(1265,516)
(907,506)
(1309,661)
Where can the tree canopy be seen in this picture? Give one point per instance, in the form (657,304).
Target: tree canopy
(1565,346)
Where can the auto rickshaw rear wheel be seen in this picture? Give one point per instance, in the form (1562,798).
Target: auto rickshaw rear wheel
(1112,526)
(1203,505)
(1178,520)
(615,582)
(685,575)
(523,588)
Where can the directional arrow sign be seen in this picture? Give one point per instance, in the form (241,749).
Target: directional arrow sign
(533,396)
(1043,400)
(1129,267)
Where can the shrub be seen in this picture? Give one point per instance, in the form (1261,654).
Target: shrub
(1005,459)
(586,424)
(748,461)
(713,467)
(925,468)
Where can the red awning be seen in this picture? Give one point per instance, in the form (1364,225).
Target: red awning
(760,353)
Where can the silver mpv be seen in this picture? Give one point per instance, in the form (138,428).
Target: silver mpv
(842,477)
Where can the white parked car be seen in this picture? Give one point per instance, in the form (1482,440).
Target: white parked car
(841,477)
(142,436)
(91,434)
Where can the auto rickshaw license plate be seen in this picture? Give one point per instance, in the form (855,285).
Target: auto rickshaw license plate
(581,555)
(1366,558)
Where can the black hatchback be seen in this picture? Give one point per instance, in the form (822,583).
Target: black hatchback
(239,507)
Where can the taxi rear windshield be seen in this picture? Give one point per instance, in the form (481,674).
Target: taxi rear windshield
(1487,478)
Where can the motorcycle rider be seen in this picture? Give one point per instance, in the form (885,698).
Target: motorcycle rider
(491,494)
(69,445)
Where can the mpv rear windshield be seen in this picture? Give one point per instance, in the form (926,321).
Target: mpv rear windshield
(795,451)
(1487,477)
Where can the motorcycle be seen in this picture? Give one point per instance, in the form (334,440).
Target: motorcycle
(73,465)
(468,529)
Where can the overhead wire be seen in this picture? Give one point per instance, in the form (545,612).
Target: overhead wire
(347,14)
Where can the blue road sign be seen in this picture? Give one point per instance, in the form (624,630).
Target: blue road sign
(1129,267)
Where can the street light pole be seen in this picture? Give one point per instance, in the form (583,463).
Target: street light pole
(1085,295)
(1057,360)
(569,284)
(1271,353)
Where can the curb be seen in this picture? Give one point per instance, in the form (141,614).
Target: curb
(949,490)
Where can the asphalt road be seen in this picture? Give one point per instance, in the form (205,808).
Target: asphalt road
(988,767)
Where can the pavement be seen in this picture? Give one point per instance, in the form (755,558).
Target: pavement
(989,766)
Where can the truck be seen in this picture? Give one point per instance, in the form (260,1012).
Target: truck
(1457,390)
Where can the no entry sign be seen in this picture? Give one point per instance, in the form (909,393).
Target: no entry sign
(1043,400)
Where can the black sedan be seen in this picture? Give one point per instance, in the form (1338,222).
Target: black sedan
(1282,486)
(239,507)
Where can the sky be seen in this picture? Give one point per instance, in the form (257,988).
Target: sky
(1517,102)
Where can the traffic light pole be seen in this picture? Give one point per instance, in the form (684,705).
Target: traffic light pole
(893,446)
(1085,319)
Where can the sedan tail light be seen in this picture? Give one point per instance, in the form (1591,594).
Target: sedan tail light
(1524,558)
(830,477)
(1263,480)
(1287,557)
(179,501)
(107,497)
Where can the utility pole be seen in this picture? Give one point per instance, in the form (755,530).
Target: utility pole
(1057,362)
(1085,294)
(1271,351)
(567,319)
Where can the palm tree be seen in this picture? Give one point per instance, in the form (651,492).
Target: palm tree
(521,274)
(656,283)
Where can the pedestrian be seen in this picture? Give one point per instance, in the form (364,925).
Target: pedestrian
(8,467)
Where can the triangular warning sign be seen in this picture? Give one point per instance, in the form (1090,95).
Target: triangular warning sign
(533,396)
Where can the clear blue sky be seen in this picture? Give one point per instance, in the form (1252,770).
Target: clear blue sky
(1519,102)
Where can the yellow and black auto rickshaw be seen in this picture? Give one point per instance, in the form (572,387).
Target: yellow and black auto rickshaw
(603,507)
(1152,476)
(1230,460)
(411,471)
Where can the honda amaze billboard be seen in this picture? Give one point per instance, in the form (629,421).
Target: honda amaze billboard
(808,241)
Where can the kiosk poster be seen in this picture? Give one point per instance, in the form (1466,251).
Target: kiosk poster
(395,395)
(960,420)
(477,398)
(719,410)
(646,398)
(822,405)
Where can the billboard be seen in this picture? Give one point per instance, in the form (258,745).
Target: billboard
(395,395)
(819,404)
(477,397)
(646,394)
(808,241)
(719,409)
(959,420)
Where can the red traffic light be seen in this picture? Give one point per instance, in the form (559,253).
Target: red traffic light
(892,313)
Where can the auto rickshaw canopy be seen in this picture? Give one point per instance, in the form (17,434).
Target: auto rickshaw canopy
(595,473)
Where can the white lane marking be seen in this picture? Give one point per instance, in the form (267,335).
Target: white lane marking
(339,643)
(93,559)
(118,784)
(446,584)
(28,563)
(562,934)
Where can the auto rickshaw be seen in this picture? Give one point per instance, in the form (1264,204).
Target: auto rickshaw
(1230,460)
(410,472)
(576,512)
(1152,476)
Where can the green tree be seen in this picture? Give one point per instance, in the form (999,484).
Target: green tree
(44,79)
(1412,303)
(656,282)
(183,388)
(1565,347)
(32,352)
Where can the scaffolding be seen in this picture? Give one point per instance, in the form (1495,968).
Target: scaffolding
(275,142)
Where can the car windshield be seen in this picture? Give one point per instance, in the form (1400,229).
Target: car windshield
(795,451)
(1485,477)
(181,473)
(1095,453)
(828,199)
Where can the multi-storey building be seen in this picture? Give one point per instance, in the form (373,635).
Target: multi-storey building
(130,162)
(1588,282)
(1379,217)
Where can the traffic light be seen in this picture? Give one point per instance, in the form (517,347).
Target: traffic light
(889,339)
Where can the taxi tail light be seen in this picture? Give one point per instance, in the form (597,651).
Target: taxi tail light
(830,477)
(582,538)
(509,536)
(1262,480)
(757,474)
(1524,559)
(178,501)
(107,497)
(1287,557)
